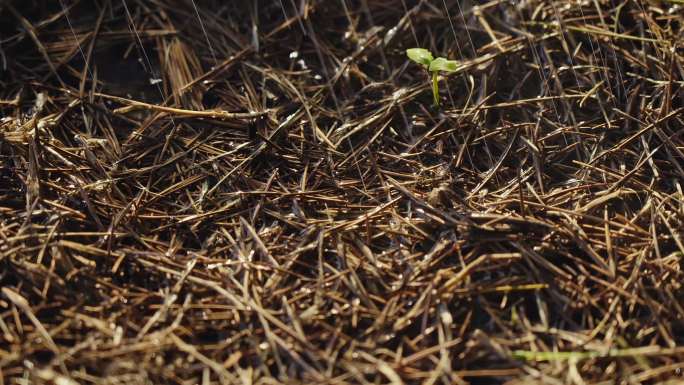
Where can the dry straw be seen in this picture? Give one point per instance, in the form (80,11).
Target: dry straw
(217,193)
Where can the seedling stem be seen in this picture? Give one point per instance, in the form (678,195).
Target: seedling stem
(433,66)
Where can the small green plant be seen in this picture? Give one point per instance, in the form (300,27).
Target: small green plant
(433,66)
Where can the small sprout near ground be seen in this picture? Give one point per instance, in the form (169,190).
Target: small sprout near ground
(433,66)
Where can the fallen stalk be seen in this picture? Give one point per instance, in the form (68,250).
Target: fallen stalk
(208,114)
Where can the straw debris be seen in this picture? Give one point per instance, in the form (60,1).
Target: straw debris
(261,192)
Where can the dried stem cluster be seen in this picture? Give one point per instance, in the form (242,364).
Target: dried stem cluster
(259,192)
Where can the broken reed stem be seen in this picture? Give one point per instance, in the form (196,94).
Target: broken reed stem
(207,114)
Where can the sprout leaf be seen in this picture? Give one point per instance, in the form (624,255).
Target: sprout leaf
(420,56)
(442,64)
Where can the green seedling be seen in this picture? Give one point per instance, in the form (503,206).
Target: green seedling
(433,66)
